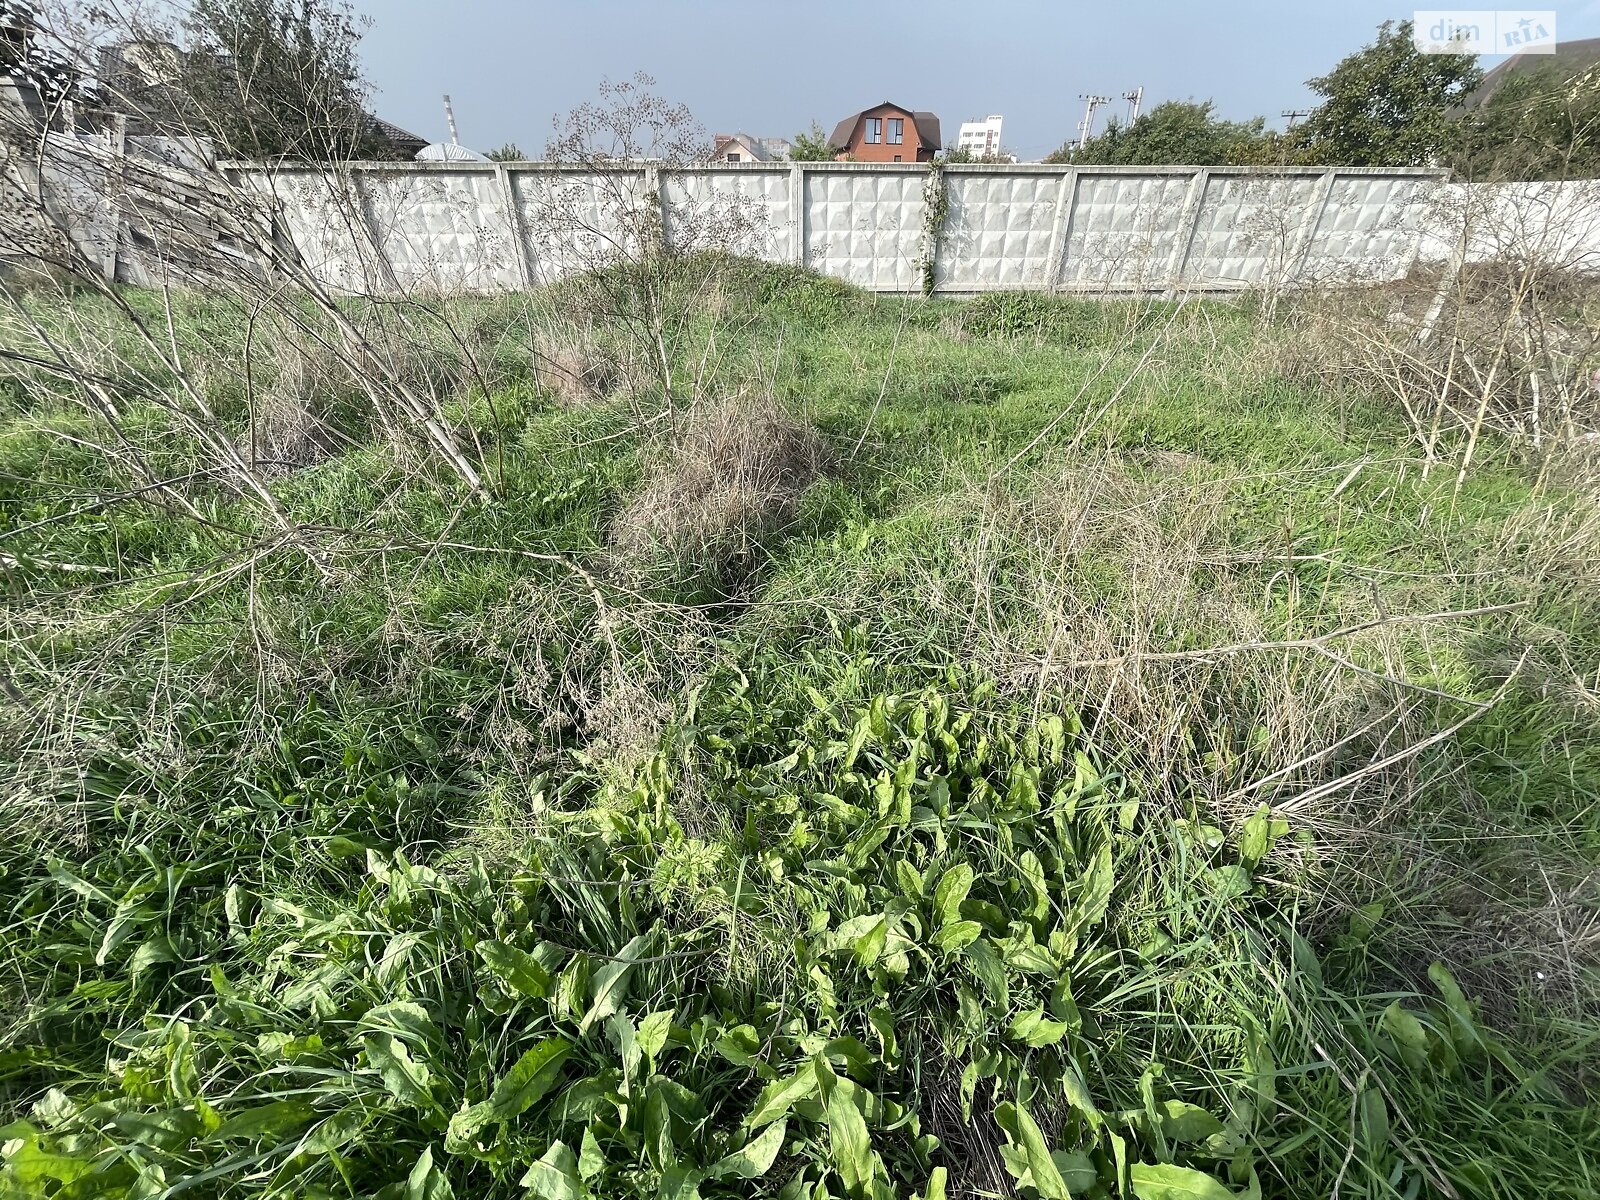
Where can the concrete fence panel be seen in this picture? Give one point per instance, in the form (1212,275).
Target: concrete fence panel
(998,229)
(1371,227)
(865,224)
(1129,231)
(447,230)
(1248,228)
(327,224)
(750,212)
(1556,223)
(574,220)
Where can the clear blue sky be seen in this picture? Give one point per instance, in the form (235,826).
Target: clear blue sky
(770,68)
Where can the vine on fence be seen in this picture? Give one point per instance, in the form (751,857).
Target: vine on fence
(935,208)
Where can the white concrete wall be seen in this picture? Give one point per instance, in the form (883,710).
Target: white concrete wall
(484,227)
(1018,226)
(1557,223)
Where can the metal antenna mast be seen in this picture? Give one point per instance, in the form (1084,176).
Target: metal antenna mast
(1134,98)
(1294,114)
(1086,127)
(450,119)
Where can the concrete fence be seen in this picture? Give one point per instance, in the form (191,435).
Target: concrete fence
(387,228)
(483,227)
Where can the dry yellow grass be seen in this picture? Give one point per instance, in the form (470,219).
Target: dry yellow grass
(730,474)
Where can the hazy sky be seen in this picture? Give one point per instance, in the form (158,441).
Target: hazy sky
(770,68)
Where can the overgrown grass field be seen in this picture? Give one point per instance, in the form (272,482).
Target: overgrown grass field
(1021,746)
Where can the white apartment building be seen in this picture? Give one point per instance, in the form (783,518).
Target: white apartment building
(980,137)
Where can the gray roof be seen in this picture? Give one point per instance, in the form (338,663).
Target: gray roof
(1570,57)
(400,139)
(927,126)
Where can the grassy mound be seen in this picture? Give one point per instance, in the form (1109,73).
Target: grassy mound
(1125,770)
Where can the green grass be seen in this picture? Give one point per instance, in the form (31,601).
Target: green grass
(460,871)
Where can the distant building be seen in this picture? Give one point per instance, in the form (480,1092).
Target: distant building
(402,142)
(887,133)
(741,147)
(1568,60)
(35,82)
(448,152)
(981,138)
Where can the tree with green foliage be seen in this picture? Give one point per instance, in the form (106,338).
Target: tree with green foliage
(1387,105)
(811,146)
(1541,123)
(24,57)
(279,79)
(965,154)
(1176,132)
(510,152)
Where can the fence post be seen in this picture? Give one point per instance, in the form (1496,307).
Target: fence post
(1061,229)
(508,197)
(653,187)
(1315,211)
(119,157)
(928,252)
(1188,226)
(361,199)
(797,210)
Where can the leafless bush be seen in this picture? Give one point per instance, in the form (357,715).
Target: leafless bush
(625,267)
(1509,345)
(732,472)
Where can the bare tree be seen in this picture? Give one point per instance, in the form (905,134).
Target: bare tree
(631,266)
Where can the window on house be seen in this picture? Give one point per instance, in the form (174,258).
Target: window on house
(733,156)
(897,158)
(897,130)
(874,130)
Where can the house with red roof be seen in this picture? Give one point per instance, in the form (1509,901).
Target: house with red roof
(887,133)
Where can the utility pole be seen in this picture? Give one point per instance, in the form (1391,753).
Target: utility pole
(1086,127)
(1294,114)
(450,119)
(1134,99)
